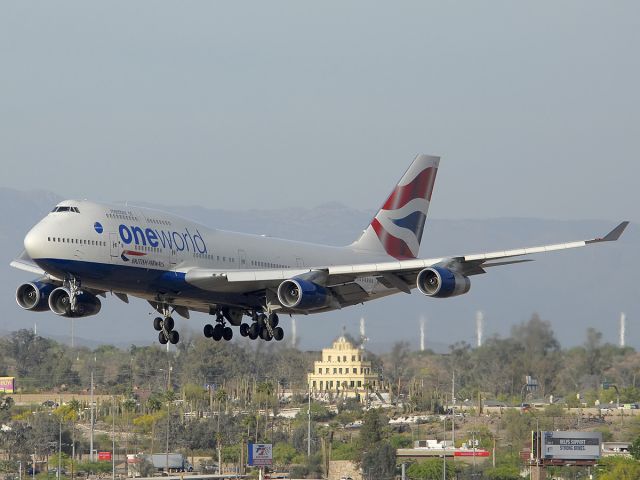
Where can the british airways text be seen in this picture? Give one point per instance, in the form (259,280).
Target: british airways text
(168,239)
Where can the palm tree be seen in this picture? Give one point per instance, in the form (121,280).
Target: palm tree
(128,406)
(74,406)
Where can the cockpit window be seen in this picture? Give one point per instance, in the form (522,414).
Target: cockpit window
(66,209)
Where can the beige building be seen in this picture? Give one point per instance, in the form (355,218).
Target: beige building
(342,370)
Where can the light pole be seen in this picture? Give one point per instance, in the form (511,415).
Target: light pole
(444,448)
(92,421)
(59,448)
(168,399)
(309,425)
(113,438)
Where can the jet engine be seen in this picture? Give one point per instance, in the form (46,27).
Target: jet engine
(34,296)
(302,294)
(87,304)
(442,283)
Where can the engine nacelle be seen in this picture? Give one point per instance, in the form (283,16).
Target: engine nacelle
(442,283)
(86,303)
(302,294)
(34,296)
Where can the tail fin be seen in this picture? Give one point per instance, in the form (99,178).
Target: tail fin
(397,227)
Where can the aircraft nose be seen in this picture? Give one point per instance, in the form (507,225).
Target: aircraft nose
(34,242)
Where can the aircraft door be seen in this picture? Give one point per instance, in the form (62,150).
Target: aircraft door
(242,258)
(299,262)
(173,259)
(114,246)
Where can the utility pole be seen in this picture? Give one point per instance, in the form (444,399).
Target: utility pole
(168,416)
(444,448)
(309,426)
(92,421)
(59,448)
(453,408)
(113,438)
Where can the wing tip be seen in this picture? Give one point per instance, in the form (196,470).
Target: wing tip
(613,235)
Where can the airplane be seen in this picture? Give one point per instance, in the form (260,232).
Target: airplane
(81,250)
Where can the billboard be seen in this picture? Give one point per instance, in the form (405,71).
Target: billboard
(103,456)
(571,445)
(471,453)
(7,384)
(260,454)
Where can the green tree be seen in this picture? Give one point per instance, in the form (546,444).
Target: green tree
(379,462)
(430,470)
(372,430)
(634,449)
(283,454)
(618,468)
(503,472)
(540,353)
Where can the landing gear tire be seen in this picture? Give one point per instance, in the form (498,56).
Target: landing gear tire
(164,324)
(262,319)
(227,333)
(278,333)
(157,324)
(168,324)
(208,330)
(273,320)
(217,332)
(264,334)
(254,331)
(244,329)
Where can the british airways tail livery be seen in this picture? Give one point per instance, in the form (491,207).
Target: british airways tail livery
(81,250)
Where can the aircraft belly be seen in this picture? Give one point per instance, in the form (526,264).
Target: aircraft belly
(144,283)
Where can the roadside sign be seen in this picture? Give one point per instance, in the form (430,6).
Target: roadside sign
(260,454)
(104,456)
(571,445)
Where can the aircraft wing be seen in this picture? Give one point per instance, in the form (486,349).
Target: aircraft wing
(400,274)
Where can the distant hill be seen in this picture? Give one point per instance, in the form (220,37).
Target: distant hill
(574,290)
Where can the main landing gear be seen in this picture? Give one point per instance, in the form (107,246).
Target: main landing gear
(164,326)
(263,326)
(220,331)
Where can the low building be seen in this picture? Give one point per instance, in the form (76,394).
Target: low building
(343,371)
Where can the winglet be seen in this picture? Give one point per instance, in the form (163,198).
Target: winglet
(613,235)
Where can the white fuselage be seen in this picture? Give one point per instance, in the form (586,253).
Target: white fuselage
(147,253)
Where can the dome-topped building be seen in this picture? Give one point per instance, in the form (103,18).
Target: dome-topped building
(343,370)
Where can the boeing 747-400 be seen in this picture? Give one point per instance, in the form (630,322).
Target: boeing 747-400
(81,250)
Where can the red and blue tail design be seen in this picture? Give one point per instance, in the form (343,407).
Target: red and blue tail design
(397,228)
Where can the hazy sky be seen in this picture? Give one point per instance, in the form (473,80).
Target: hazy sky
(534,106)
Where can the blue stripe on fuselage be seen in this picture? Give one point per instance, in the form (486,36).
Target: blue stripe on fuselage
(129,279)
(119,276)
